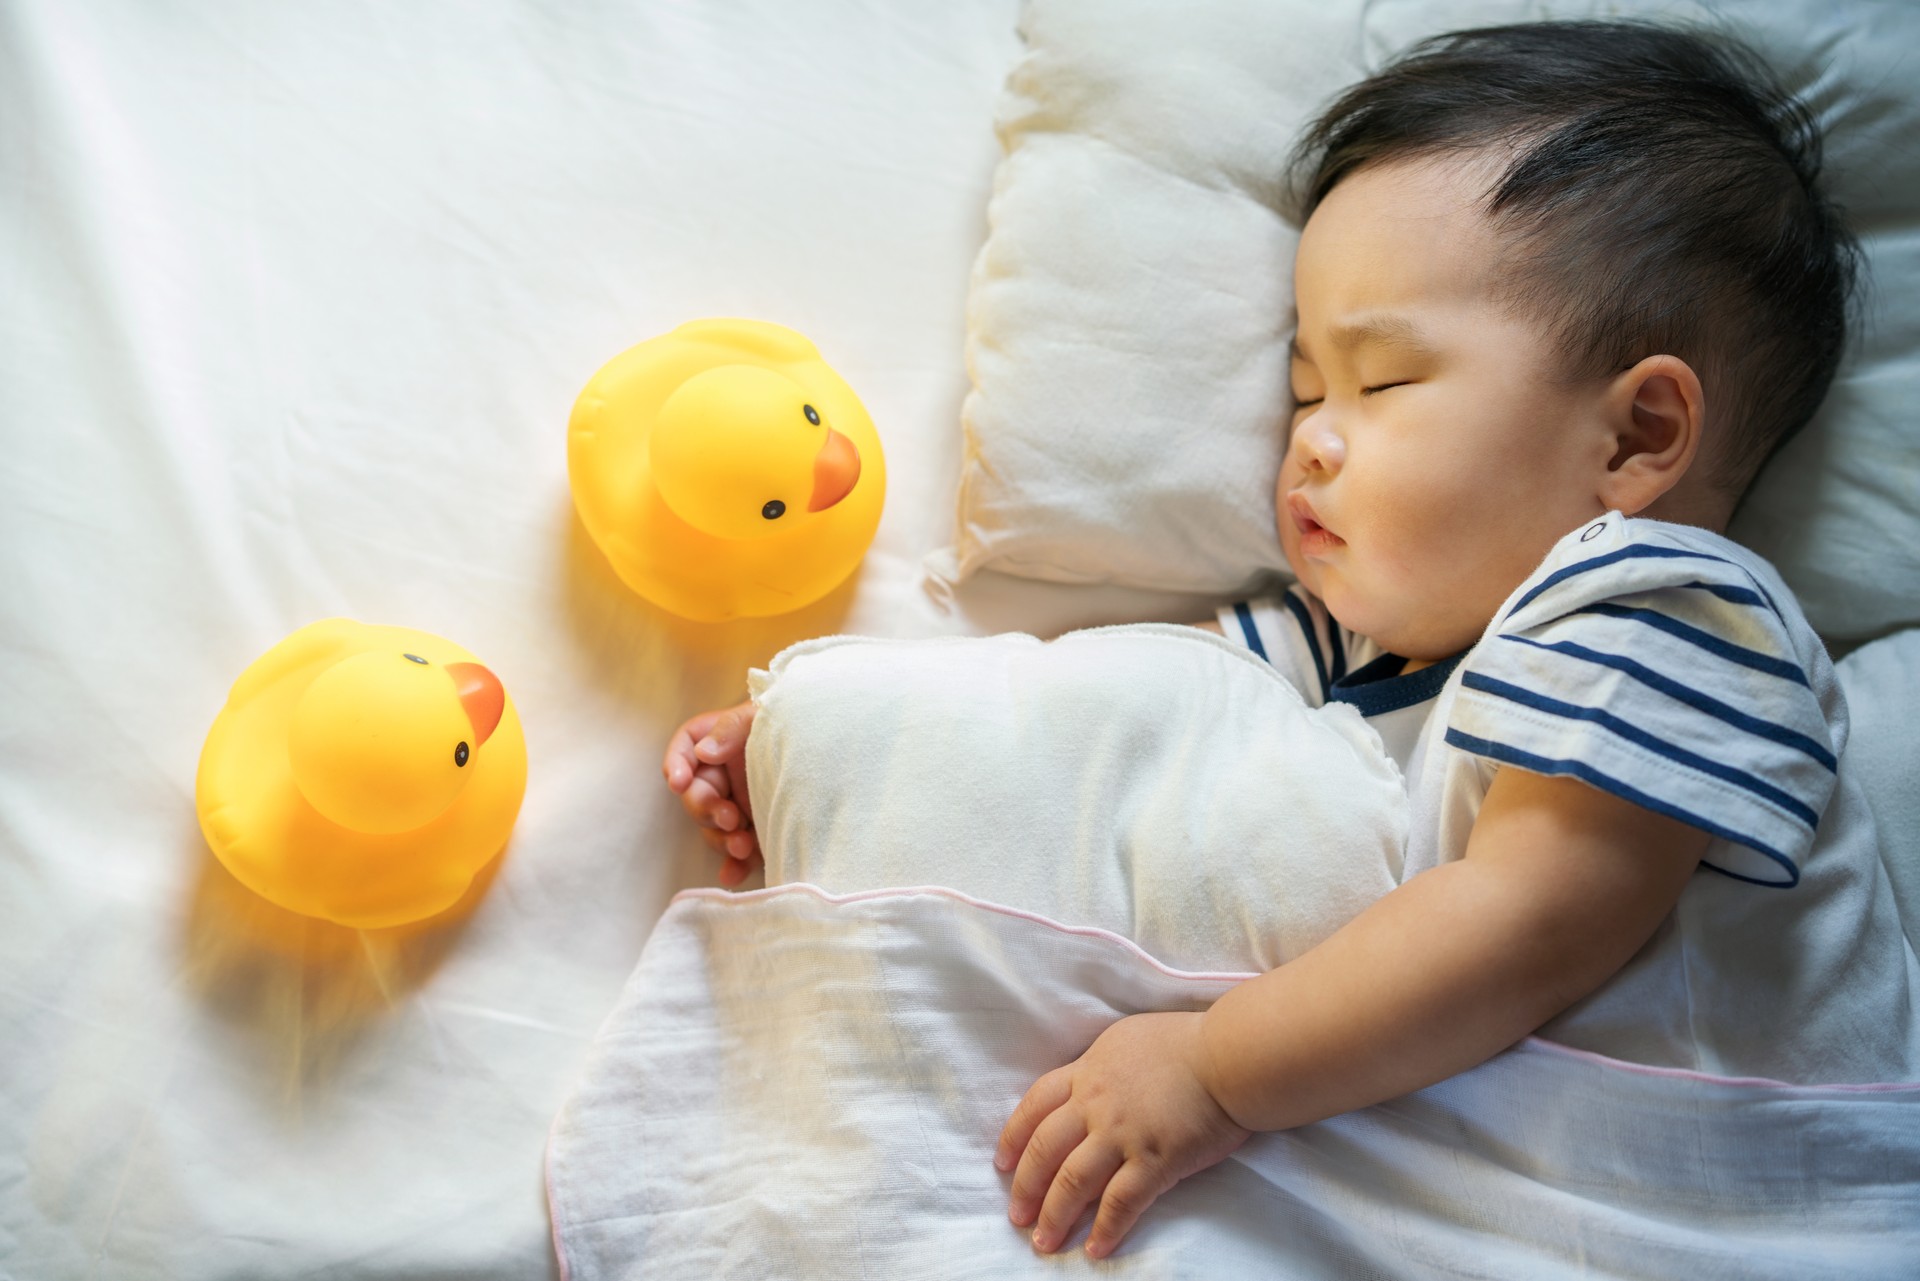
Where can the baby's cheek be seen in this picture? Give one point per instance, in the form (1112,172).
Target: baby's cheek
(1436,576)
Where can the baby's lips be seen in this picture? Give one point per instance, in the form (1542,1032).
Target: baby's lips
(1300,511)
(1305,519)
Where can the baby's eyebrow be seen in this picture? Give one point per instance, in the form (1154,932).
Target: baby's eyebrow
(1377,330)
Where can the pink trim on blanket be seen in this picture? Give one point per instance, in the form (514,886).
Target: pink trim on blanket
(1751,1082)
(1093,931)
(1237,976)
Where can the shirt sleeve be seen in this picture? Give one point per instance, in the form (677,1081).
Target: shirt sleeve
(1671,678)
(1293,632)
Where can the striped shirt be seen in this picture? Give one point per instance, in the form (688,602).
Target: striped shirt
(1661,663)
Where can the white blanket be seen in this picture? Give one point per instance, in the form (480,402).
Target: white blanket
(798,1085)
(1152,780)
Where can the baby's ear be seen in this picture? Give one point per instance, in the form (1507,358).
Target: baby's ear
(1655,412)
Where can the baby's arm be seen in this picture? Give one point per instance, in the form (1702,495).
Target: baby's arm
(1560,886)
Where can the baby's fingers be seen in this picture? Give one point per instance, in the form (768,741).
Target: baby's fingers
(679,763)
(1057,1138)
(1041,1098)
(726,738)
(707,800)
(741,850)
(736,870)
(1128,1195)
(741,847)
(1082,1177)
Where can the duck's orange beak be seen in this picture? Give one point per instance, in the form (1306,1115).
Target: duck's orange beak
(835,468)
(482,695)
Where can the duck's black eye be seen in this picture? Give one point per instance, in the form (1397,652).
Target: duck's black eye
(415,658)
(774,510)
(460,754)
(813,415)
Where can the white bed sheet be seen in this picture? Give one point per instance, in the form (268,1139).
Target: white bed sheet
(294,300)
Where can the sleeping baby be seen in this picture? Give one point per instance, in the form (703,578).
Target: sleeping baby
(1562,289)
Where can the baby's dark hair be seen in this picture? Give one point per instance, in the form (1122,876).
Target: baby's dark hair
(1661,197)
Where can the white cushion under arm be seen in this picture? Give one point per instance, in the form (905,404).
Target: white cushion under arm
(1152,780)
(1882,684)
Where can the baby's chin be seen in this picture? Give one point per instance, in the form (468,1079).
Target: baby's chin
(1396,618)
(1387,623)
(1409,634)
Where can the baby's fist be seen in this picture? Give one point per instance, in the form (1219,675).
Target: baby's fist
(706,764)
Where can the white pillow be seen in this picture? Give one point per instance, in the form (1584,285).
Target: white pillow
(1151,780)
(1882,684)
(1129,312)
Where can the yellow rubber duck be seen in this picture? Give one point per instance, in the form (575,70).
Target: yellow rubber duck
(362,773)
(725,470)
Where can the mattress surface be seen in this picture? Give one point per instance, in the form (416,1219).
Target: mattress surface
(294,302)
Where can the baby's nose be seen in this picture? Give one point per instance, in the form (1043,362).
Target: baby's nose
(1316,444)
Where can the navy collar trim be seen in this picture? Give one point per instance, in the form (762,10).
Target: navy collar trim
(1379,688)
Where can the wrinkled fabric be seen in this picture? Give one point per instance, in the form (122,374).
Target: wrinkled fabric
(798,1085)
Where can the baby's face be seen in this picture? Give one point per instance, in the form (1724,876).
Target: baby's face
(1433,462)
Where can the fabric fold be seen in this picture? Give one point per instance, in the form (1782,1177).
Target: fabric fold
(796,1084)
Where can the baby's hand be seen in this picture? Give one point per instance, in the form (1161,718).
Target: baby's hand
(1113,1130)
(706,764)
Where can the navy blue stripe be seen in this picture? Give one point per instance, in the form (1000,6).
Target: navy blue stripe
(1374,692)
(1634,734)
(1303,616)
(1251,632)
(1511,755)
(1339,648)
(1705,640)
(1753,880)
(1638,551)
(1693,698)
(1738,595)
